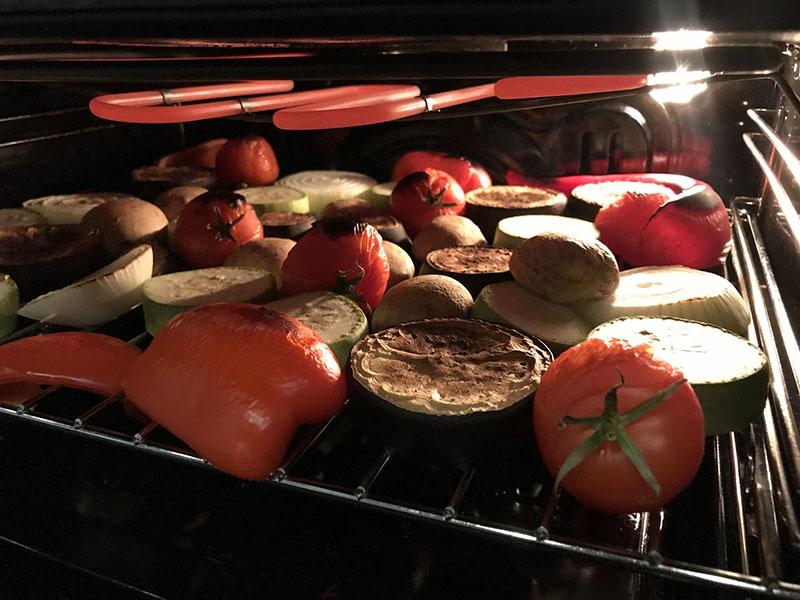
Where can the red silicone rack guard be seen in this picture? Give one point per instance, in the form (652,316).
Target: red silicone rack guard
(331,108)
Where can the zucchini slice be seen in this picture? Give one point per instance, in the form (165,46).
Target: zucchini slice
(557,325)
(728,373)
(512,231)
(676,291)
(9,305)
(169,295)
(338,320)
(378,195)
(275,198)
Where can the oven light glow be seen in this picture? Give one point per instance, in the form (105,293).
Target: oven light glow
(678,94)
(677,87)
(679,76)
(681,39)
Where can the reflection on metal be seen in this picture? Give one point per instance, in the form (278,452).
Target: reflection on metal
(678,94)
(681,39)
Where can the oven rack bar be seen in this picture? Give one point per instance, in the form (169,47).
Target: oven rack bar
(650,562)
(778,163)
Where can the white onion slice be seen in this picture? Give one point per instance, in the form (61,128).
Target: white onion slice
(678,292)
(98,298)
(324,187)
(69,208)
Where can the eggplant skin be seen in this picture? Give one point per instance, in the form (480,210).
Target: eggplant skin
(42,258)
(486,440)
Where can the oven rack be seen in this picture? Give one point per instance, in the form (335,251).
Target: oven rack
(750,521)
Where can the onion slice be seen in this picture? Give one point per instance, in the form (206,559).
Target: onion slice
(324,187)
(101,297)
(673,291)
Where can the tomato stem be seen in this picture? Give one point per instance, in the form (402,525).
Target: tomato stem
(610,427)
(222,228)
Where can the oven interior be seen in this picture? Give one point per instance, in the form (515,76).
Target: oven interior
(85,484)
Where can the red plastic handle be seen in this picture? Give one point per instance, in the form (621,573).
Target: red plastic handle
(154,106)
(346,106)
(371,108)
(544,86)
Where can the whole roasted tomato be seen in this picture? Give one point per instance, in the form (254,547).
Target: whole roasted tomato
(693,230)
(247,161)
(212,226)
(340,255)
(620,430)
(421,197)
(470,176)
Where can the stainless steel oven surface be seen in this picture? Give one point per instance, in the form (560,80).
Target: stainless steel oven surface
(97,500)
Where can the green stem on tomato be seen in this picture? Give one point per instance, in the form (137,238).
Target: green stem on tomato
(610,427)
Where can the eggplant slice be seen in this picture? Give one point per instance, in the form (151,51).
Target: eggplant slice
(40,258)
(454,392)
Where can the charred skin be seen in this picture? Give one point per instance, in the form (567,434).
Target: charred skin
(474,267)
(484,439)
(41,258)
(289,225)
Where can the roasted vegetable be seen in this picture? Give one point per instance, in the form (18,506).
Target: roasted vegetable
(212,226)
(619,429)
(234,381)
(469,175)
(419,198)
(338,255)
(86,361)
(249,160)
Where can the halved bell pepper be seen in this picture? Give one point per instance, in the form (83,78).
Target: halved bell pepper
(86,361)
(234,382)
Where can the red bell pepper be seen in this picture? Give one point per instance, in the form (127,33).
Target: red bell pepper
(86,361)
(565,185)
(234,381)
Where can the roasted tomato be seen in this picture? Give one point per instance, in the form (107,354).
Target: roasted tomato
(692,230)
(340,255)
(469,175)
(620,224)
(202,156)
(247,161)
(212,226)
(621,431)
(421,197)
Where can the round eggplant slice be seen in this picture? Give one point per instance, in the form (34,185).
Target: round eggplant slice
(40,258)
(488,206)
(149,182)
(474,266)
(289,225)
(391,230)
(454,392)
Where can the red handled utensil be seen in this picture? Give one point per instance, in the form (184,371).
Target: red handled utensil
(331,108)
